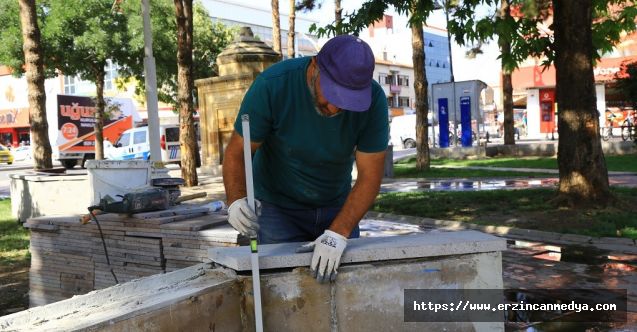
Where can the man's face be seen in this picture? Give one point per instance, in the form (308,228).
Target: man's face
(321,104)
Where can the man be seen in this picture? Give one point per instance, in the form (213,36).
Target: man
(310,118)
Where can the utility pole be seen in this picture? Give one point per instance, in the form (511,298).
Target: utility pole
(152,107)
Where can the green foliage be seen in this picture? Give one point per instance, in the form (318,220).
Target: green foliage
(11,53)
(209,39)
(83,34)
(528,34)
(78,36)
(11,47)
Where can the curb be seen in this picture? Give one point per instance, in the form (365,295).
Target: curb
(625,245)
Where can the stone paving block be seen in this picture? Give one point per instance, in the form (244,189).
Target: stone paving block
(274,256)
(576,238)
(533,234)
(614,240)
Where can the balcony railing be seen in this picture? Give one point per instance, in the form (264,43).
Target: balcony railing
(394,88)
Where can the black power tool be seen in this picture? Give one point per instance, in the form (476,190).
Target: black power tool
(146,200)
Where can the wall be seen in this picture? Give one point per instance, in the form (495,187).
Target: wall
(366,297)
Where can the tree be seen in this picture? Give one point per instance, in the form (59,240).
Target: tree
(276,27)
(95,34)
(34,62)
(423,160)
(587,29)
(507,84)
(583,173)
(291,31)
(338,15)
(187,139)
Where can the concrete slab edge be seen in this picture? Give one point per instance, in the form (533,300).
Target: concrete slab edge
(363,250)
(125,294)
(622,244)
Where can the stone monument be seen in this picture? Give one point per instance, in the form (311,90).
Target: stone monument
(220,97)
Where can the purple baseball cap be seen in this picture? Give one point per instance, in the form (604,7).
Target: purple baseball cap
(346,65)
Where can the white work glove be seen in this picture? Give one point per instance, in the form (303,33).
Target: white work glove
(242,218)
(328,249)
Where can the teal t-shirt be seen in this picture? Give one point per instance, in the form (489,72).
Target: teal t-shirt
(305,159)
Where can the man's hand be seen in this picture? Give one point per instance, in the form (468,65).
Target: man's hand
(328,249)
(242,218)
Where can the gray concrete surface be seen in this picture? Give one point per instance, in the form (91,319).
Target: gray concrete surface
(274,256)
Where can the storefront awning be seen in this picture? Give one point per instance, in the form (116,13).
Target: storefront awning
(14,118)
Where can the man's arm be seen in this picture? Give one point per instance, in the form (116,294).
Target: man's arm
(370,174)
(234,178)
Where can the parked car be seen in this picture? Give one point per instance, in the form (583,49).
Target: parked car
(5,155)
(134,144)
(402,131)
(22,153)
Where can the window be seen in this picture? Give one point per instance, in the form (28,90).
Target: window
(172,134)
(382,78)
(389,79)
(403,101)
(123,140)
(69,85)
(139,137)
(390,101)
(403,80)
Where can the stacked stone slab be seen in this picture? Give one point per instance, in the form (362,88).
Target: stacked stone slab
(67,258)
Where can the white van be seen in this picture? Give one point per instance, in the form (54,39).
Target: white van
(134,144)
(402,131)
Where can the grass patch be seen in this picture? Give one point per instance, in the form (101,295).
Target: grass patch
(14,262)
(527,208)
(14,239)
(623,163)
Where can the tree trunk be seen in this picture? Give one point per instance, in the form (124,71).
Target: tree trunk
(291,29)
(583,173)
(34,64)
(276,27)
(420,86)
(338,19)
(507,86)
(187,138)
(99,112)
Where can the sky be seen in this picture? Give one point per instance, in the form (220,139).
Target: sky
(485,67)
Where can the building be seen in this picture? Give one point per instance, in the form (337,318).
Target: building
(397,81)
(394,67)
(534,90)
(258,16)
(15,128)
